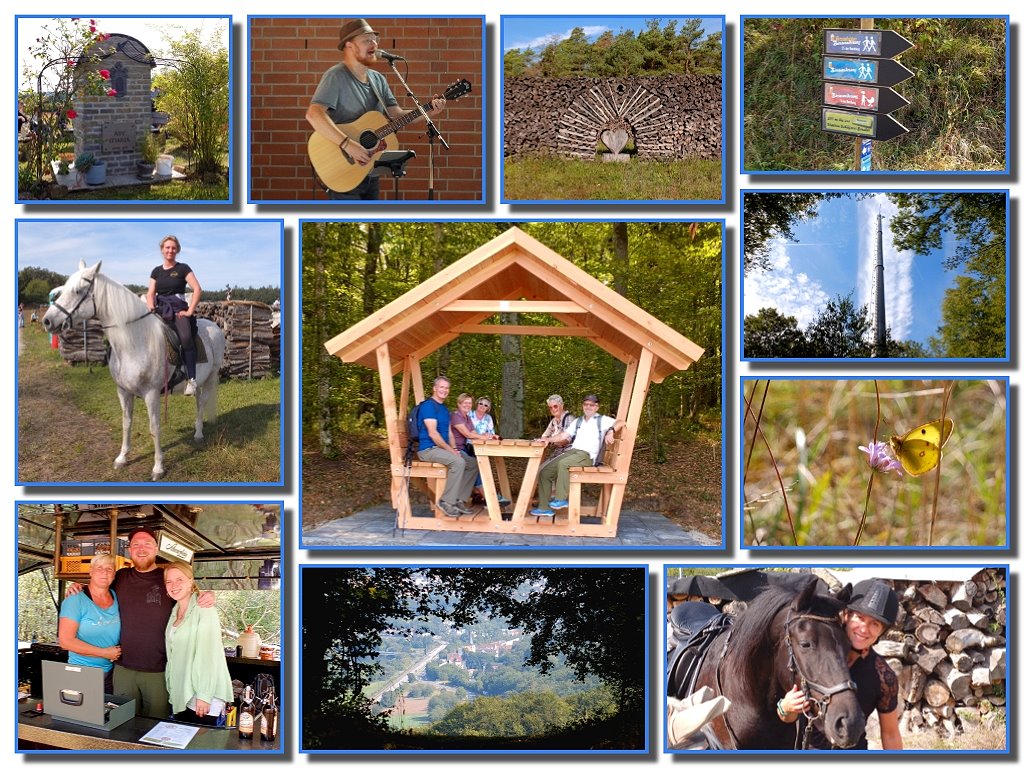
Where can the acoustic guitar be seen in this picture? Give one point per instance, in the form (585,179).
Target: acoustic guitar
(375,132)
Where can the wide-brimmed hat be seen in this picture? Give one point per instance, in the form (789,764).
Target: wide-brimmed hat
(351,28)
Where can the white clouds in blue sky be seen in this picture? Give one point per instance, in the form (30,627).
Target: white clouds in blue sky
(792,291)
(238,253)
(833,254)
(538,43)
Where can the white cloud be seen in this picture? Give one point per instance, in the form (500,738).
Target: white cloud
(537,44)
(791,292)
(899,279)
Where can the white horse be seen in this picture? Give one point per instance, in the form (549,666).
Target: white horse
(138,351)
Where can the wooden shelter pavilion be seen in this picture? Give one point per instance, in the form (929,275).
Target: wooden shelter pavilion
(513,273)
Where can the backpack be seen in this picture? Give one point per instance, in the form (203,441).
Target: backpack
(412,426)
(600,433)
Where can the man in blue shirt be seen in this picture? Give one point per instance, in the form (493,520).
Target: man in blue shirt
(437,444)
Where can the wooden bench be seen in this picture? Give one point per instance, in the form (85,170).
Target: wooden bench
(427,476)
(611,476)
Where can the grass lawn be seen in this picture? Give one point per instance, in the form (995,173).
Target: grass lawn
(559,178)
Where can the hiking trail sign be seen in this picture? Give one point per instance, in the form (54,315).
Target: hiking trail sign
(858,72)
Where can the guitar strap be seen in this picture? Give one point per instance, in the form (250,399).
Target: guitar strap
(373,87)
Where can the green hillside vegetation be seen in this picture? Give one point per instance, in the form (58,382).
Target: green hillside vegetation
(957,113)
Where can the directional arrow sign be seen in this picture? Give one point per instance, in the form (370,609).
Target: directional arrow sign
(873,71)
(866,97)
(877,43)
(870,126)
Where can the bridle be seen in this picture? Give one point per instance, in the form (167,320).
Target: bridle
(818,706)
(89,294)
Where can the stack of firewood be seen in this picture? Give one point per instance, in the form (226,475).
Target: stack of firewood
(248,337)
(78,345)
(948,649)
(665,117)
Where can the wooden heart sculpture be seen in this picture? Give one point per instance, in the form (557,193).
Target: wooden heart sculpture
(615,139)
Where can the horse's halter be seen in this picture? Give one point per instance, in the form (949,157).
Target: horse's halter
(819,706)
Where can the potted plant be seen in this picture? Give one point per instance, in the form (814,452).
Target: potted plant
(95,170)
(148,152)
(63,172)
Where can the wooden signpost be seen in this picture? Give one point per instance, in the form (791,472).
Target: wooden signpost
(858,73)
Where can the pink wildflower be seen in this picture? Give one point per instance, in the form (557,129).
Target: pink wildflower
(879,458)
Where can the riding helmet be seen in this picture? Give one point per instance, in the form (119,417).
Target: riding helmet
(875,599)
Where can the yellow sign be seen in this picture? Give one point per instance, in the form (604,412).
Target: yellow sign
(853,123)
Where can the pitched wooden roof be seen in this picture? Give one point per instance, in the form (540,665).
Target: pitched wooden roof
(514,272)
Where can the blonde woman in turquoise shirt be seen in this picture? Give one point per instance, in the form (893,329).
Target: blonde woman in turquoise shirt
(198,683)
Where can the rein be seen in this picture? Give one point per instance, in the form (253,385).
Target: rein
(819,706)
(89,295)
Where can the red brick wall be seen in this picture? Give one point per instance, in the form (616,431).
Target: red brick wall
(288,57)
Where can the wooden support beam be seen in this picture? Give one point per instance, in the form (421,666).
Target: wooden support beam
(526,330)
(387,394)
(496,306)
(627,389)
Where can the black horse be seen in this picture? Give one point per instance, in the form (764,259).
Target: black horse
(785,637)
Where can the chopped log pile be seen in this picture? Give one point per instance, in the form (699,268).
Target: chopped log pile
(948,649)
(663,117)
(83,345)
(248,335)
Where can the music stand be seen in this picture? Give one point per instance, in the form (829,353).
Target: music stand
(394,161)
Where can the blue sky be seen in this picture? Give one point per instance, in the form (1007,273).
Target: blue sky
(834,254)
(244,254)
(537,31)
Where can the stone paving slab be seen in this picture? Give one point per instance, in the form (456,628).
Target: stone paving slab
(375,527)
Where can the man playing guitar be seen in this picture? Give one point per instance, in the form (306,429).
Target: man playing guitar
(347,91)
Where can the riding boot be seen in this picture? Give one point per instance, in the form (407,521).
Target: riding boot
(190,368)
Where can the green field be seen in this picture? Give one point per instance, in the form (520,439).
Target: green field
(69,427)
(556,178)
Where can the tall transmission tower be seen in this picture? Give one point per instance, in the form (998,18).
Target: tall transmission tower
(878,293)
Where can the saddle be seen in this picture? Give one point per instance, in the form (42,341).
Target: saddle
(693,627)
(175,358)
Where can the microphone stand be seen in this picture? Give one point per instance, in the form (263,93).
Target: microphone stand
(432,131)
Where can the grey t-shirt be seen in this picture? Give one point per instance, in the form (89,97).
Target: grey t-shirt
(347,99)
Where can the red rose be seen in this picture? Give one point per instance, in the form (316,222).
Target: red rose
(111,92)
(105,74)
(72,114)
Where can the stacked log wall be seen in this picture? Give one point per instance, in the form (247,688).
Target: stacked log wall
(948,649)
(673,116)
(83,345)
(249,339)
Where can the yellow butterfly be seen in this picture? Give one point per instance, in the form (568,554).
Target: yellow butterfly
(919,450)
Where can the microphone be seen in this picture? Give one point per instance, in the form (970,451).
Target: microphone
(382,54)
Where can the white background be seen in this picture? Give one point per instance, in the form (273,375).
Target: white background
(290,494)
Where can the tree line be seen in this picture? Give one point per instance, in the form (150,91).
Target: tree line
(349,270)
(669,49)
(35,284)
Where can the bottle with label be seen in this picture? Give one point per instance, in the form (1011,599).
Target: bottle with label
(268,725)
(246,715)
